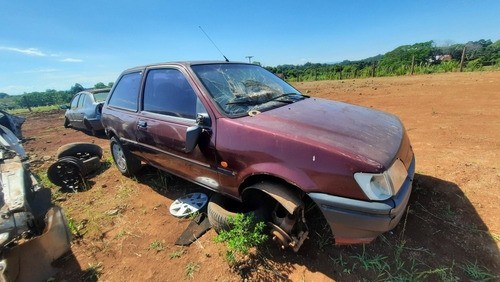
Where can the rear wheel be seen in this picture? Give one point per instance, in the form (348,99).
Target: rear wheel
(126,163)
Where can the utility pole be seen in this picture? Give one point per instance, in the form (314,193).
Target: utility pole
(249,58)
(462,60)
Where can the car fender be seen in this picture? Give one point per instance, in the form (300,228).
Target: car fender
(295,177)
(290,199)
(290,175)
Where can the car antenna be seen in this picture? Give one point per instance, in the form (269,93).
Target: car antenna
(213,43)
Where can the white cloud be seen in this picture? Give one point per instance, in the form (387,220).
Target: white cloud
(71,60)
(29,51)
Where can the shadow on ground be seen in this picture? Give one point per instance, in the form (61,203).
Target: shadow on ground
(70,270)
(440,237)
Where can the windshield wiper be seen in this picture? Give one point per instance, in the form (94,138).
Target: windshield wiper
(287,95)
(250,102)
(255,101)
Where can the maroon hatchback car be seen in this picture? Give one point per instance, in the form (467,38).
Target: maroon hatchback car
(241,131)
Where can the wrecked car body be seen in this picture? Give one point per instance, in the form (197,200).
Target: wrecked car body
(241,131)
(33,232)
(13,123)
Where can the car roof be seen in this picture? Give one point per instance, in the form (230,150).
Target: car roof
(95,91)
(181,63)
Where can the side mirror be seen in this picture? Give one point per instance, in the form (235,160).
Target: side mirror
(64,107)
(192,135)
(203,120)
(193,132)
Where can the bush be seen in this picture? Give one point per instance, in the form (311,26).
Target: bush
(244,234)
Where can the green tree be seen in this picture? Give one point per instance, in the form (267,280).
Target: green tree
(403,55)
(100,85)
(76,88)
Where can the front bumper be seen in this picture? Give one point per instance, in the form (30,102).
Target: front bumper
(354,221)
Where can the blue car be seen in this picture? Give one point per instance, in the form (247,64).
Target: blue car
(85,110)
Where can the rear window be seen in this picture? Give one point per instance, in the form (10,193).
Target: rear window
(101,96)
(126,92)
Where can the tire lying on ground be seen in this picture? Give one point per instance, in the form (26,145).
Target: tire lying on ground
(81,150)
(66,172)
(74,162)
(221,208)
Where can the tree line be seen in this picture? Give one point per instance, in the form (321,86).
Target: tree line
(48,97)
(419,58)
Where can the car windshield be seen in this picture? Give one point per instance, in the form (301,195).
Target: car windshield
(240,89)
(101,96)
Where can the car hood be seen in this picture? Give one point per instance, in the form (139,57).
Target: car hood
(370,136)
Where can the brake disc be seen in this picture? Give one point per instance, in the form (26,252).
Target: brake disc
(188,204)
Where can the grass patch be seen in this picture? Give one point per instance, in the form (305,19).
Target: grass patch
(39,109)
(157,246)
(243,235)
(124,191)
(477,272)
(178,253)
(495,237)
(92,272)
(377,263)
(190,269)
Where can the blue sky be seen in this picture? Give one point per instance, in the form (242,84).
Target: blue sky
(55,44)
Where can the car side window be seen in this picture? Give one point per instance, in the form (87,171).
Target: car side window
(74,102)
(168,92)
(88,101)
(126,91)
(81,102)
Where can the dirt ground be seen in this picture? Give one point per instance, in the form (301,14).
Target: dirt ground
(450,232)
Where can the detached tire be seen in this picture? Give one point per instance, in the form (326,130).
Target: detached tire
(126,163)
(81,150)
(67,173)
(221,208)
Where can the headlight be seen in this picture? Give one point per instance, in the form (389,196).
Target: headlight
(382,186)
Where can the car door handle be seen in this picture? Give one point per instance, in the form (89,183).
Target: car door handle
(142,124)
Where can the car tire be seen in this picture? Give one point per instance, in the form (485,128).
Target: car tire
(67,173)
(221,208)
(66,123)
(81,150)
(126,163)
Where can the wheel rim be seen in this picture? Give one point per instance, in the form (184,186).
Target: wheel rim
(66,173)
(188,204)
(119,157)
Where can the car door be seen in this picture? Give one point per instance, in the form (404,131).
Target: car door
(72,110)
(88,109)
(169,108)
(78,113)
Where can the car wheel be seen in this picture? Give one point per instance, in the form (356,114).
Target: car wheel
(66,123)
(67,173)
(126,163)
(81,150)
(221,208)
